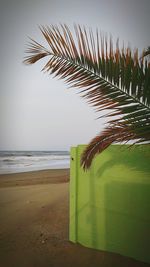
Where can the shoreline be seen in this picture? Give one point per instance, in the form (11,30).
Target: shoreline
(51,176)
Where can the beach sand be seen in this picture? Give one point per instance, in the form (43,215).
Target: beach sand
(34,225)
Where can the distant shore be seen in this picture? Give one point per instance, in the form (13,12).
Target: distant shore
(34,177)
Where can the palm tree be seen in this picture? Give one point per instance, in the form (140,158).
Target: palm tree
(109,79)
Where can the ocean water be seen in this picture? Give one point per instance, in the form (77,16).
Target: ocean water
(24,161)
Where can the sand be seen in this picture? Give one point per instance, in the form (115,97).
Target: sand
(34,225)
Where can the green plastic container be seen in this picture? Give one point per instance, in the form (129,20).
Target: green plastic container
(110,203)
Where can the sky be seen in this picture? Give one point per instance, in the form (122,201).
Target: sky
(37,111)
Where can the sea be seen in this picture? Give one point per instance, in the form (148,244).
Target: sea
(25,161)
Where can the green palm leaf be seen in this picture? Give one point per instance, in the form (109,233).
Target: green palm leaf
(112,79)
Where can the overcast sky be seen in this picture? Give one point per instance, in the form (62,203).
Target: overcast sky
(37,111)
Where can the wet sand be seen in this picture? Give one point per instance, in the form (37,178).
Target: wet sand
(34,225)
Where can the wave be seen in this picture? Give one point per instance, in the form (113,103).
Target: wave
(20,161)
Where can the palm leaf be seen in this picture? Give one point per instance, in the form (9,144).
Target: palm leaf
(109,79)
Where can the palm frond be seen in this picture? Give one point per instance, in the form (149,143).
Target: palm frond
(111,134)
(112,79)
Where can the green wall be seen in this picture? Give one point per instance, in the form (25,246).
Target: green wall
(110,203)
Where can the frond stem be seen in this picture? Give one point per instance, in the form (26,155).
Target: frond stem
(96,75)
